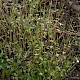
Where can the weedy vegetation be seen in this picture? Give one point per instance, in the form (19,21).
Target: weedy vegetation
(37,40)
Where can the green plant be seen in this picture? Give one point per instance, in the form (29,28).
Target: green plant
(29,47)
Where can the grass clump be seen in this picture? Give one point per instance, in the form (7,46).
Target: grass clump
(30,47)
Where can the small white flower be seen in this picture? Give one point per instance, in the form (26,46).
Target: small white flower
(40,73)
(51,46)
(77,61)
